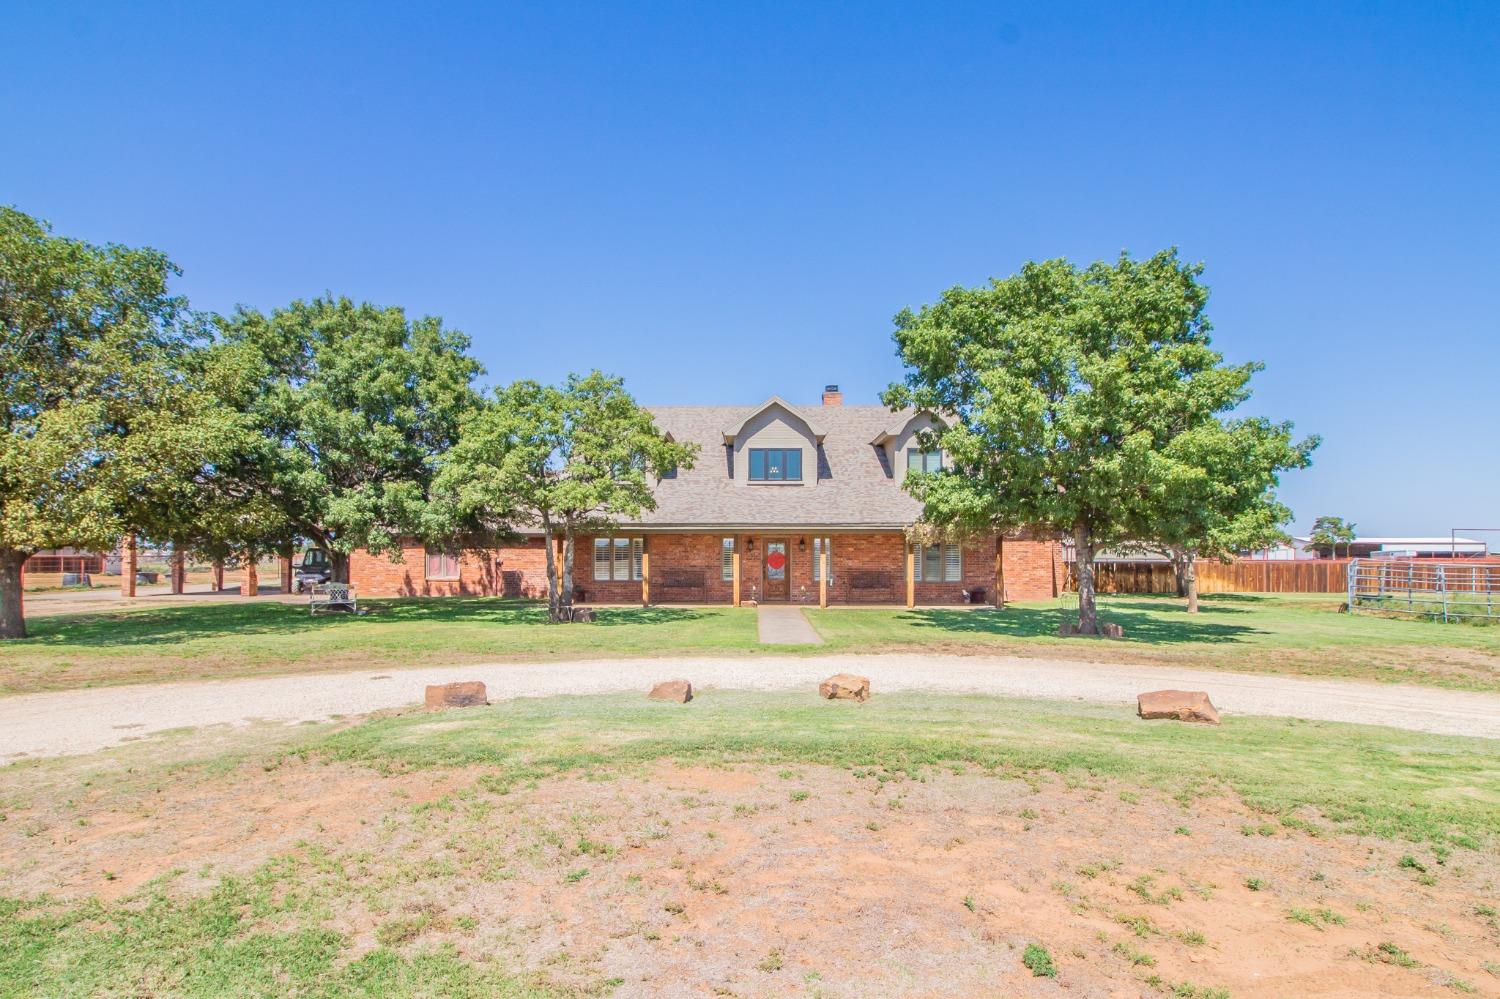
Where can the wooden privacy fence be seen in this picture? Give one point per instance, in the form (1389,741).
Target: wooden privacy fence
(1241,576)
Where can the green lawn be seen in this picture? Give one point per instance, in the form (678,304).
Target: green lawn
(1281,633)
(220,639)
(1296,634)
(271,932)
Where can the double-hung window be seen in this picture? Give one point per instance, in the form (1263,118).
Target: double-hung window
(617,559)
(442,564)
(776,464)
(822,546)
(939,563)
(726,559)
(923,461)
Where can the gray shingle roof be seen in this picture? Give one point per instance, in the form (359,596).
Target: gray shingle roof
(855,488)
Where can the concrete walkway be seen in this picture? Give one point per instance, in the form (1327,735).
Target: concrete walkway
(783,624)
(81,721)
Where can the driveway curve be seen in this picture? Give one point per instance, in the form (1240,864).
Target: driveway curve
(82,721)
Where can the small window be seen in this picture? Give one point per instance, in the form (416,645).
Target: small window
(923,461)
(939,563)
(617,559)
(775,464)
(821,545)
(442,564)
(726,559)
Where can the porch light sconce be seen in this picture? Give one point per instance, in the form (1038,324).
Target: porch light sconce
(801,544)
(749,544)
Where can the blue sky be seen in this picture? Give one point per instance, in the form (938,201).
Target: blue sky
(721,202)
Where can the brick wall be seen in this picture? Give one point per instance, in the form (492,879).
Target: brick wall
(518,570)
(686,568)
(1033,568)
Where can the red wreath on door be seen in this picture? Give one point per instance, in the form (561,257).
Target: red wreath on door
(776,560)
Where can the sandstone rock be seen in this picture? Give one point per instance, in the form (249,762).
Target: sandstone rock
(1111,630)
(845,686)
(1107,629)
(468,694)
(583,615)
(672,690)
(1182,705)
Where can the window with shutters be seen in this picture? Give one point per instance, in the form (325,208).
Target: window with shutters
(726,559)
(442,564)
(939,563)
(617,559)
(820,545)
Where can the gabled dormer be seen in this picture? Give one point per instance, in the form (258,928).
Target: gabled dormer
(775,445)
(900,446)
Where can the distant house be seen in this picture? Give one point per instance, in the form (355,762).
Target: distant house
(776,488)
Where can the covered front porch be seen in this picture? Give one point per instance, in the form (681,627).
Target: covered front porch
(815,568)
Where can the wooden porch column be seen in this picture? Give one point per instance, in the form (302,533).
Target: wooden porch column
(734,561)
(251,586)
(128,560)
(218,575)
(823,577)
(646,572)
(911,576)
(179,570)
(999,570)
(285,566)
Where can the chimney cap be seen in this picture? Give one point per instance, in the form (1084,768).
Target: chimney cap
(830,388)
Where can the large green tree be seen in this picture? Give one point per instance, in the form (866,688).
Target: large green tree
(1217,495)
(352,405)
(101,413)
(1063,389)
(564,460)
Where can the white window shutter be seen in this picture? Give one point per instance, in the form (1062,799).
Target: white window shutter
(637,546)
(726,559)
(953,565)
(601,558)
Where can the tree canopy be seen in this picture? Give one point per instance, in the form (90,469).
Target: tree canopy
(101,417)
(1330,532)
(562,460)
(352,405)
(1076,400)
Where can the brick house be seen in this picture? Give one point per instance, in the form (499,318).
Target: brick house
(786,504)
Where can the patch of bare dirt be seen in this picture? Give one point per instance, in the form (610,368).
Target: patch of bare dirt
(757,881)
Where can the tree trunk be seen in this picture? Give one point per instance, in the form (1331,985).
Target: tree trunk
(338,565)
(1083,559)
(565,600)
(1180,564)
(554,584)
(1190,580)
(12,605)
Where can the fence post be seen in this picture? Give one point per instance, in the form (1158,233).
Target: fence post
(1442,581)
(1350,580)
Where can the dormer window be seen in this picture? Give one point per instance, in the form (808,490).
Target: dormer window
(923,461)
(775,464)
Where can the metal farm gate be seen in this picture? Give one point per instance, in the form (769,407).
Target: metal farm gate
(1438,589)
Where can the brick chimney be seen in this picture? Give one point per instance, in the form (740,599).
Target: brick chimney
(832,396)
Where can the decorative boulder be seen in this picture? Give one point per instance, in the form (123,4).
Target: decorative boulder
(583,615)
(1181,705)
(845,687)
(1111,630)
(468,694)
(672,690)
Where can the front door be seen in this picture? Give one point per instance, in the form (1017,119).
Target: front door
(777,566)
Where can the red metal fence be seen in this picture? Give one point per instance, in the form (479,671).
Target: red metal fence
(43,564)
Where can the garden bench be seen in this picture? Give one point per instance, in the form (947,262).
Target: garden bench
(331,597)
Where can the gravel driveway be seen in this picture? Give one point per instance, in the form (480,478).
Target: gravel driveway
(81,721)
